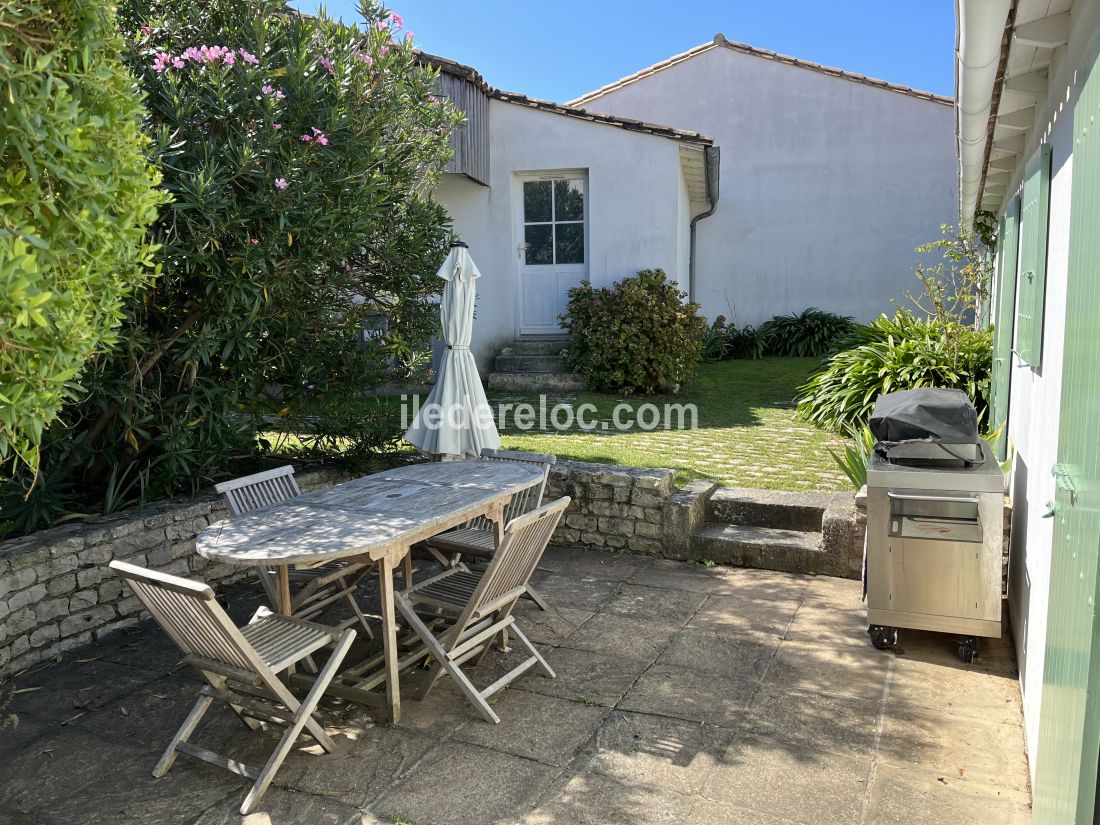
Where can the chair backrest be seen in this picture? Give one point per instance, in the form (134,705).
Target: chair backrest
(525,540)
(526,500)
(191,615)
(259,490)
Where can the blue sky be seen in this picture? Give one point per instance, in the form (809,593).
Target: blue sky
(558,50)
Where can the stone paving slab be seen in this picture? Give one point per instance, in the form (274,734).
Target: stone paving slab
(685,694)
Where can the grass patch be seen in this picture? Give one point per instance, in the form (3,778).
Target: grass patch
(749,434)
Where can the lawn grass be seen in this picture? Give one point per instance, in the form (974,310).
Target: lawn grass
(748,434)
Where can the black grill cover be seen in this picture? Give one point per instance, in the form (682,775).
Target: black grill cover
(930,414)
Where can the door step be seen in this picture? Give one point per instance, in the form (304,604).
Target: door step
(533,365)
(764,548)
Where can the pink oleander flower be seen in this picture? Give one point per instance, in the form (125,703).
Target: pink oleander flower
(267,89)
(305,139)
(280,184)
(433,99)
(383,49)
(364,58)
(326,64)
(271,90)
(146,30)
(248,57)
(396,19)
(276,126)
(178,62)
(254,241)
(380,25)
(408,37)
(161,62)
(319,136)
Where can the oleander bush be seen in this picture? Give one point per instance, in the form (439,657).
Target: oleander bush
(900,353)
(638,337)
(811,333)
(299,153)
(76,194)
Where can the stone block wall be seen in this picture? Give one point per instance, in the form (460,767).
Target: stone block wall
(57,594)
(613,508)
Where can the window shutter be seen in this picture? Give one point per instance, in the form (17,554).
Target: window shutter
(1007,243)
(1033,257)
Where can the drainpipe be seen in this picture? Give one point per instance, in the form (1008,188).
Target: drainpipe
(981,27)
(711,160)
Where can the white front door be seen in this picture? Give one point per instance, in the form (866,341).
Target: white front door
(553,233)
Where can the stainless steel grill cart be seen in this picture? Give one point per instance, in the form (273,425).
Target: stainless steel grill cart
(934,533)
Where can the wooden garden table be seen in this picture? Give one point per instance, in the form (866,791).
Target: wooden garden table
(371,520)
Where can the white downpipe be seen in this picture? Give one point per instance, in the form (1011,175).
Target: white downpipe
(977,55)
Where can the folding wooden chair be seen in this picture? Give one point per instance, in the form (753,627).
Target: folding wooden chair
(482,601)
(240,667)
(477,538)
(317,588)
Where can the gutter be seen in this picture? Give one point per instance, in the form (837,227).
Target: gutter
(712,157)
(978,41)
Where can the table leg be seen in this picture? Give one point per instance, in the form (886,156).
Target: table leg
(389,637)
(282,579)
(408,570)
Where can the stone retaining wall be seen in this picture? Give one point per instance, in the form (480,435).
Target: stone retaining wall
(613,508)
(57,594)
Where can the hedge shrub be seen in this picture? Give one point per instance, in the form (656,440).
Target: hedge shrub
(301,154)
(638,337)
(900,353)
(76,193)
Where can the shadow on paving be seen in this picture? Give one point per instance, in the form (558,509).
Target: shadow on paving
(683,694)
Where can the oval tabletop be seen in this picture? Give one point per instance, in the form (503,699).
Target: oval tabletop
(369,516)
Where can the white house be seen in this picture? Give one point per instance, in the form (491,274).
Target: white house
(1028,84)
(547,195)
(830,179)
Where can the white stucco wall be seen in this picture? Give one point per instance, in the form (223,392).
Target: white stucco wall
(634,206)
(827,185)
(1035,398)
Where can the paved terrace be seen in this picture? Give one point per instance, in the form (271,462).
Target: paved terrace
(685,694)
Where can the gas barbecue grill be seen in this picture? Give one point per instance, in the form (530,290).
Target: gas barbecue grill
(935,497)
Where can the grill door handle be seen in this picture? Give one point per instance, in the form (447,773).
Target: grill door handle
(935,499)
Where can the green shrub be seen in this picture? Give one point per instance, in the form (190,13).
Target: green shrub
(724,341)
(76,193)
(299,152)
(810,333)
(899,353)
(638,337)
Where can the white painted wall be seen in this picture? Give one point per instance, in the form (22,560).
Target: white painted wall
(635,212)
(827,185)
(1035,399)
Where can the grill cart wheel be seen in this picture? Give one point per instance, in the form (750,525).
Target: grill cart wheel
(882,637)
(969,648)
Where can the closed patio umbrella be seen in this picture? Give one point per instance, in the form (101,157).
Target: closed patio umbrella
(456,420)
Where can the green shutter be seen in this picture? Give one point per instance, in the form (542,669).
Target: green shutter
(1008,245)
(1033,257)
(1069,720)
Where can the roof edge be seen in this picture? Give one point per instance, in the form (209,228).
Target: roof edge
(766,54)
(629,124)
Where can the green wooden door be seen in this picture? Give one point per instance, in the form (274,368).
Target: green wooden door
(1003,324)
(1069,723)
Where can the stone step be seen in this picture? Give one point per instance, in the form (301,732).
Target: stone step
(536,346)
(768,508)
(529,363)
(792,551)
(526,382)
